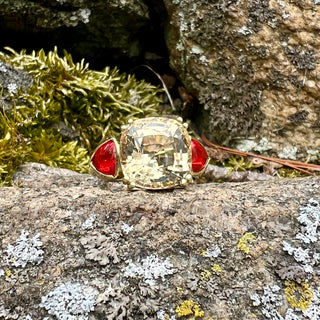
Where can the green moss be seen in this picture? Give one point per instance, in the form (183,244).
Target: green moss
(67,111)
(13,149)
(239,163)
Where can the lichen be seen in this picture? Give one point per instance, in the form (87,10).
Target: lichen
(162,315)
(67,110)
(309,217)
(288,153)
(307,254)
(122,300)
(211,252)
(302,300)
(269,301)
(189,307)
(88,224)
(216,268)
(247,238)
(101,248)
(150,269)
(26,250)
(206,274)
(126,228)
(302,297)
(72,301)
(298,295)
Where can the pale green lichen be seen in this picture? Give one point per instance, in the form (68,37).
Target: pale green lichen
(288,153)
(66,111)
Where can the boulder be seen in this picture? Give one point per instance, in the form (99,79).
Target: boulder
(99,30)
(74,247)
(254,66)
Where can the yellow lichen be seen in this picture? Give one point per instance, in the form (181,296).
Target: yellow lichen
(204,253)
(189,307)
(206,274)
(298,295)
(216,268)
(8,273)
(244,240)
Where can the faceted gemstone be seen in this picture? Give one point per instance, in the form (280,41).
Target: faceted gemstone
(105,158)
(155,153)
(199,156)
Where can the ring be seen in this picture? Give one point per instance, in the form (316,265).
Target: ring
(154,153)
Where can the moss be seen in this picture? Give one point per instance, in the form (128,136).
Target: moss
(298,295)
(13,149)
(239,163)
(289,173)
(67,110)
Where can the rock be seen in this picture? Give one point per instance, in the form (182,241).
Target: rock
(11,80)
(92,29)
(75,247)
(254,65)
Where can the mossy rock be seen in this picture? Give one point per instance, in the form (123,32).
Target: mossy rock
(66,111)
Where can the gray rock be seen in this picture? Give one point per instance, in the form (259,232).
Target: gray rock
(84,27)
(210,251)
(12,80)
(254,65)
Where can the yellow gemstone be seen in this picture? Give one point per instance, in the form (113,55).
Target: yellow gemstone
(155,153)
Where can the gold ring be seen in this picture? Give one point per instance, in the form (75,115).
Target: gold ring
(154,153)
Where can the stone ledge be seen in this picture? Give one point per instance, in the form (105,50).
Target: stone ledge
(211,251)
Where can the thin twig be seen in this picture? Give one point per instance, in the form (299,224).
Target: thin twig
(163,84)
(297,165)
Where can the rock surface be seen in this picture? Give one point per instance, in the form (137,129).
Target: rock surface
(254,65)
(93,29)
(74,247)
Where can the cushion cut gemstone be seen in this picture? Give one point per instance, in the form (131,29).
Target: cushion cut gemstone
(155,153)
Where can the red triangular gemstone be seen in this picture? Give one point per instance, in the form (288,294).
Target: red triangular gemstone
(199,156)
(105,158)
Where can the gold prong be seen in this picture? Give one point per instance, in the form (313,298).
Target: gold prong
(131,185)
(180,119)
(130,121)
(124,127)
(125,180)
(186,125)
(189,177)
(184,182)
